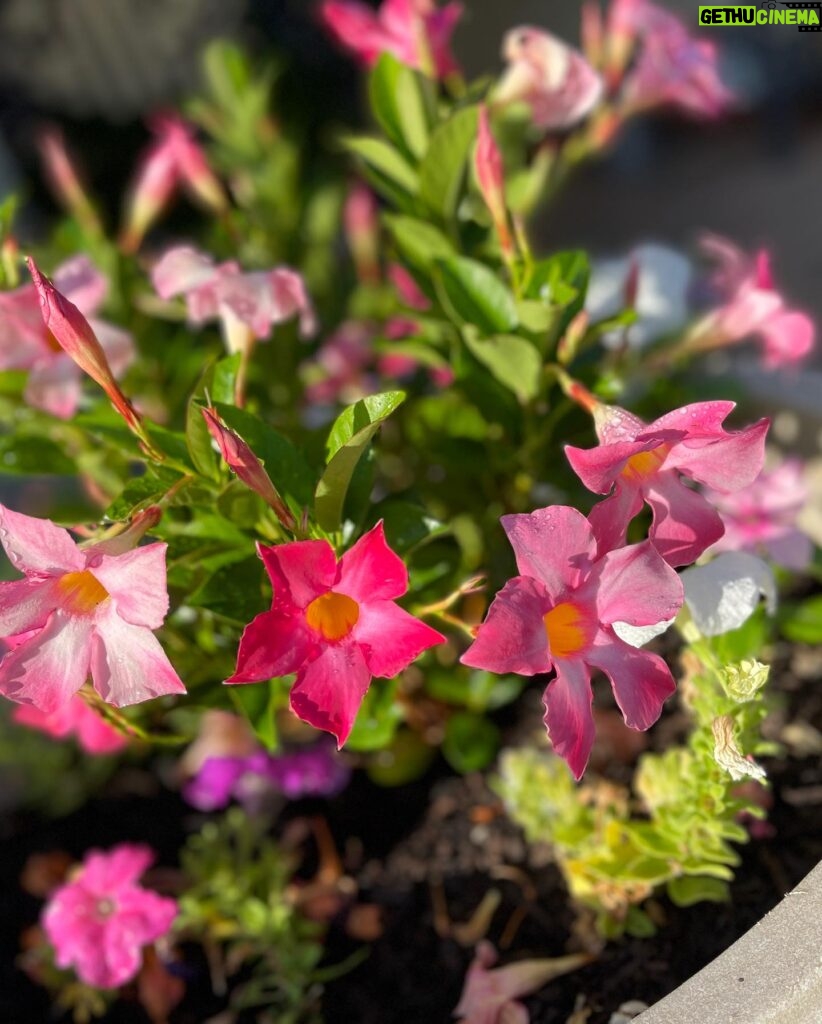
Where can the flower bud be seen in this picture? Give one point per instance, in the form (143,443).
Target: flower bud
(490,175)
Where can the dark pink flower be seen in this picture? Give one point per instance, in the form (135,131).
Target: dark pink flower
(26,342)
(641,462)
(86,611)
(554,79)
(416,32)
(335,624)
(92,732)
(559,614)
(99,922)
(762,517)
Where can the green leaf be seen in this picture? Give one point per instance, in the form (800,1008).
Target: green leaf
(257,702)
(512,360)
(406,759)
(234,591)
(419,243)
(686,891)
(217,384)
(406,525)
(443,168)
(471,742)
(389,170)
(349,437)
(33,455)
(142,491)
(378,718)
(802,622)
(398,103)
(475,295)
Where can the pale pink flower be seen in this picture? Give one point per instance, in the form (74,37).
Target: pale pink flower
(99,922)
(92,732)
(637,462)
(87,611)
(246,303)
(336,624)
(416,32)
(26,342)
(762,517)
(559,614)
(555,80)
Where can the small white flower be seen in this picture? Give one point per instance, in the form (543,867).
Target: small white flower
(725,593)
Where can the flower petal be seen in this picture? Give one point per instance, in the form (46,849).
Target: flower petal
(725,593)
(37,546)
(55,386)
(181,269)
(638,636)
(635,585)
(51,666)
(568,716)
(272,645)
(513,637)
(698,419)
(684,524)
(117,344)
(610,517)
(599,467)
(136,581)
(641,681)
(299,571)
(391,638)
(329,690)
(82,283)
(729,463)
(371,571)
(554,545)
(788,338)
(128,665)
(25,605)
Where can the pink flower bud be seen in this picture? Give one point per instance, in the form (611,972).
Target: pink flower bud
(490,175)
(360,220)
(64,179)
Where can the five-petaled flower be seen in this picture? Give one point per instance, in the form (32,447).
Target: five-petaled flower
(85,611)
(99,921)
(335,624)
(645,463)
(559,614)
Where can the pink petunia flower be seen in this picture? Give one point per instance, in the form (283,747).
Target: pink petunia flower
(641,462)
(559,614)
(416,32)
(26,343)
(762,518)
(335,624)
(100,921)
(247,304)
(554,79)
(87,611)
(92,732)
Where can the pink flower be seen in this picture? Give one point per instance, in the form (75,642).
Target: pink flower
(762,518)
(247,304)
(361,222)
(416,32)
(340,371)
(672,67)
(87,610)
(646,462)
(26,342)
(335,624)
(99,922)
(76,718)
(752,306)
(559,614)
(407,288)
(556,81)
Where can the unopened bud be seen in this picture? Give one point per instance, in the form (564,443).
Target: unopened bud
(744,680)
(491,179)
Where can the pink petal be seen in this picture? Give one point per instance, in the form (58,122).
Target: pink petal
(117,344)
(51,666)
(182,270)
(82,283)
(729,463)
(699,419)
(23,338)
(93,732)
(329,690)
(684,524)
(37,546)
(788,338)
(128,665)
(355,26)
(272,645)
(299,571)
(513,637)
(599,467)
(55,386)
(136,581)
(641,681)
(554,545)
(635,585)
(58,724)
(568,717)
(106,872)
(793,550)
(25,605)
(391,638)
(610,517)
(371,571)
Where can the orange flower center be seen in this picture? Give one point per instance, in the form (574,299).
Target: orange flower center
(567,629)
(53,344)
(81,592)
(333,615)
(645,464)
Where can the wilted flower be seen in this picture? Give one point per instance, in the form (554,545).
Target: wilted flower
(100,921)
(554,79)
(85,610)
(92,732)
(559,614)
(728,755)
(335,624)
(28,343)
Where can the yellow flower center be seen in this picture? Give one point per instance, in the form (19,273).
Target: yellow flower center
(81,592)
(567,629)
(645,464)
(333,615)
(52,343)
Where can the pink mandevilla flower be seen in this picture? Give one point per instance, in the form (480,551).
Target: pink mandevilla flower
(77,719)
(86,610)
(335,624)
(646,462)
(416,32)
(99,922)
(554,79)
(559,614)
(55,381)
(762,518)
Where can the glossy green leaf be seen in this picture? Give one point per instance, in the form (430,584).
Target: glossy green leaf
(390,167)
(419,243)
(512,360)
(443,168)
(378,718)
(398,103)
(257,703)
(802,622)
(475,295)
(234,591)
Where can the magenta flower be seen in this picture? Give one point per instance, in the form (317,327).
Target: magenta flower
(762,518)
(26,343)
(416,32)
(335,624)
(86,610)
(99,922)
(641,462)
(554,79)
(92,732)
(559,614)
